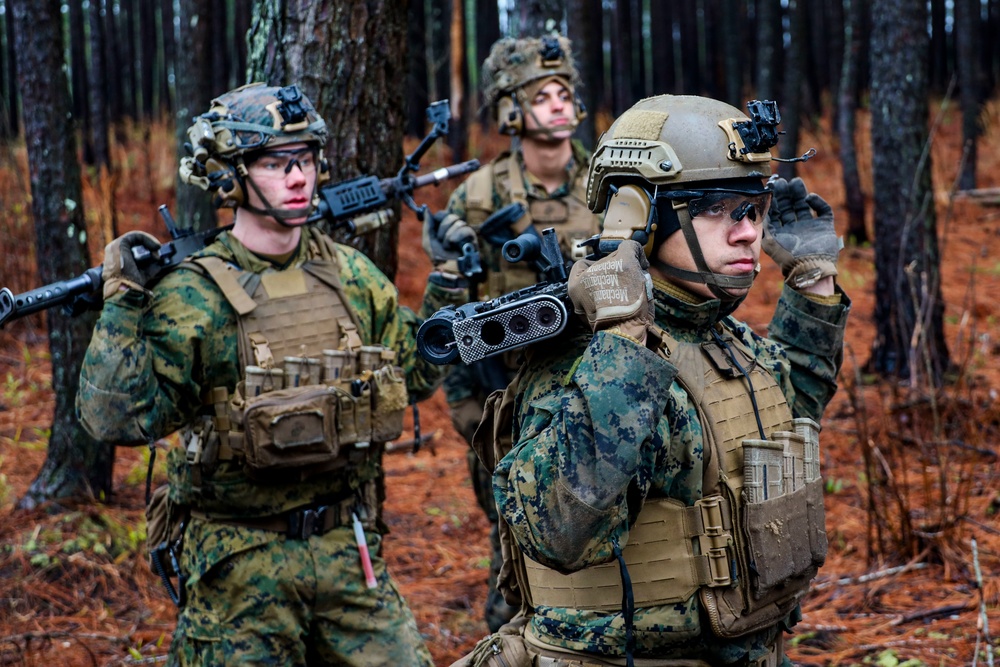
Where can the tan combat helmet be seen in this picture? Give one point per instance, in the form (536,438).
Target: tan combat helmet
(241,124)
(666,155)
(516,69)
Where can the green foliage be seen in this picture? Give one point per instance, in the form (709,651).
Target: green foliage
(889,658)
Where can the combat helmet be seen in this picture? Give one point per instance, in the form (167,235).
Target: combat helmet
(238,126)
(516,69)
(670,153)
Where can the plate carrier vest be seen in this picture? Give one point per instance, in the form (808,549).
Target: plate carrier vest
(569,216)
(749,547)
(320,399)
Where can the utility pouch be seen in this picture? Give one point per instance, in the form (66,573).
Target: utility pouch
(778,542)
(291,428)
(165,521)
(389,401)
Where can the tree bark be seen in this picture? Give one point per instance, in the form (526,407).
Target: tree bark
(458,134)
(417,73)
(76,466)
(78,75)
(847,104)
(661,21)
(586,34)
(194,92)
(969,86)
(8,81)
(732,56)
(487,27)
(348,57)
(909,340)
(770,43)
(621,58)
(791,107)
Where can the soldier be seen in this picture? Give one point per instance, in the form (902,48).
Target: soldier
(530,85)
(287,361)
(661,490)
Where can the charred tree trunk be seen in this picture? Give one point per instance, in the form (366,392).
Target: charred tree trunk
(688,22)
(732,56)
(9,124)
(621,58)
(78,75)
(770,43)
(586,34)
(348,57)
(909,341)
(416,76)
(76,465)
(969,85)
(114,53)
(661,20)
(147,59)
(98,87)
(194,93)
(791,111)
(487,27)
(940,68)
(847,104)
(458,135)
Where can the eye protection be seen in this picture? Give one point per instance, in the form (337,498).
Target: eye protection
(730,207)
(279,163)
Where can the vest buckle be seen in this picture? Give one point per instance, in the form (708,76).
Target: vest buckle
(306,523)
(715,540)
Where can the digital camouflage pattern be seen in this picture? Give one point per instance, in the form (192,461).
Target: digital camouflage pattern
(289,586)
(600,424)
(153,359)
(464,387)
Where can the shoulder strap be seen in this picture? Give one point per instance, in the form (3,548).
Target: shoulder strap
(225,277)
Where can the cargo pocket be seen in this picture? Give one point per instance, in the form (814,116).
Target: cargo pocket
(817,522)
(198,640)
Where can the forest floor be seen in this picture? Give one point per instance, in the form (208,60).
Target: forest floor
(913,480)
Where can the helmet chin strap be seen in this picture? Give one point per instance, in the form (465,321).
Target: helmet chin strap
(281,215)
(717,283)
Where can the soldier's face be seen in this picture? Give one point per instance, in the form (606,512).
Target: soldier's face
(552,108)
(730,248)
(285,177)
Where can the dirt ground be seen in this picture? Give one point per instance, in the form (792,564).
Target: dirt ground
(74,591)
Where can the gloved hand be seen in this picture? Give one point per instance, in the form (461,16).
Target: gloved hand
(443,237)
(615,291)
(799,235)
(120,268)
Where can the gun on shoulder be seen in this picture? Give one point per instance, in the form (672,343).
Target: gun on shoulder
(482,329)
(357,205)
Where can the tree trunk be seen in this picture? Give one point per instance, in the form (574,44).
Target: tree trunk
(770,43)
(194,93)
(939,51)
(688,21)
(621,58)
(458,134)
(586,34)
(147,58)
(836,28)
(909,340)
(8,84)
(661,21)
(487,27)
(417,74)
(847,103)
(791,107)
(78,75)
(969,87)
(76,465)
(114,53)
(348,57)
(130,58)
(732,53)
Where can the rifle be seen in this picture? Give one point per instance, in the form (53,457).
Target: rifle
(356,205)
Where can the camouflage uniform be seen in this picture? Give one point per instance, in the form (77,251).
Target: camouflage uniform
(255,596)
(600,425)
(467,387)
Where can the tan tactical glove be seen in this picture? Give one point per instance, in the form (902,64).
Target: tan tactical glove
(615,292)
(799,235)
(444,234)
(120,269)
